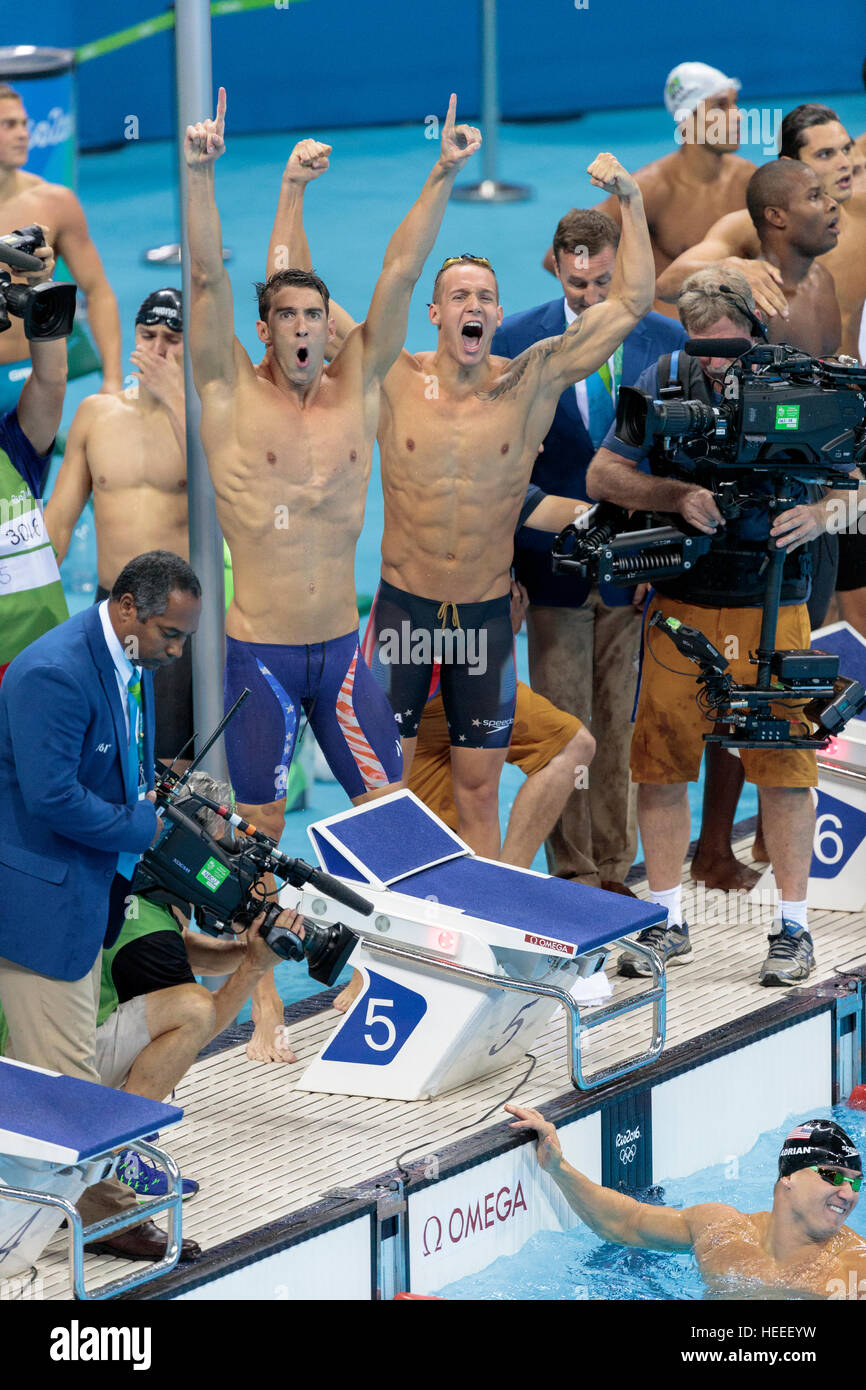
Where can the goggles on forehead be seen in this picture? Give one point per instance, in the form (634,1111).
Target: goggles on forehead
(465,256)
(173,322)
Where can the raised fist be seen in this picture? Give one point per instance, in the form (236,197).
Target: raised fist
(606,172)
(307,161)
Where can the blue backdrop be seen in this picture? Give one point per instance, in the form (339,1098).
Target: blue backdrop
(339,62)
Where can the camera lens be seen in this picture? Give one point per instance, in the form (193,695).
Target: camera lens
(47,310)
(676,419)
(327,949)
(631,416)
(640,419)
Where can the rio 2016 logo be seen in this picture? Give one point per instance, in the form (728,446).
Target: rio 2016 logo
(57,127)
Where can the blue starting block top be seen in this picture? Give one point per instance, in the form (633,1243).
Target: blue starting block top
(398,842)
(61,1119)
(580,917)
(850,648)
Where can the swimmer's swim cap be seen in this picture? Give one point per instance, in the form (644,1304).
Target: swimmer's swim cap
(163,306)
(818,1141)
(690,83)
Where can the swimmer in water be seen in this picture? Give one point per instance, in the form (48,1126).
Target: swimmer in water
(801,1248)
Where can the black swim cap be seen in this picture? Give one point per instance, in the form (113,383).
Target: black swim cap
(818,1141)
(163,306)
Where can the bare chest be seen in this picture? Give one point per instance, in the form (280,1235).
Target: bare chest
(315,463)
(687,211)
(813,322)
(135,452)
(847,264)
(435,444)
(28,206)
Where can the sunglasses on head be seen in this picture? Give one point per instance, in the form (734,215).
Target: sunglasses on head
(834,1177)
(465,256)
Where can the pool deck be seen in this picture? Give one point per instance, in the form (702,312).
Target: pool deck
(265,1152)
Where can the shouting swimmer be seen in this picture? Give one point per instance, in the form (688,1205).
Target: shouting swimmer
(800,1247)
(459,431)
(289,448)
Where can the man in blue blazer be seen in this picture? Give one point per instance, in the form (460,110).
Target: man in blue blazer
(76,812)
(583,640)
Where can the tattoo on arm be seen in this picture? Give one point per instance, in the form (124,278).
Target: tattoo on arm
(515,372)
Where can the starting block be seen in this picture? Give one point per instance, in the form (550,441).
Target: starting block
(58,1136)
(451,942)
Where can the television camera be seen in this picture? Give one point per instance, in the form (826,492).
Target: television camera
(785,419)
(223,883)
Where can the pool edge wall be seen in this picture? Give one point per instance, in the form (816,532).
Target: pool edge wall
(702,1103)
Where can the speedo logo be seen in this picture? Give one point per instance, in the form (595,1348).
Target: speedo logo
(549,945)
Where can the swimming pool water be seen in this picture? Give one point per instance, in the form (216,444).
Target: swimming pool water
(577,1265)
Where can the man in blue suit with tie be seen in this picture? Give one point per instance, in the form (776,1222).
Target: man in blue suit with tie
(583,640)
(76,812)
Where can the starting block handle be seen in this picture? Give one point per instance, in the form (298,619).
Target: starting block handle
(654,995)
(79,1235)
(845,773)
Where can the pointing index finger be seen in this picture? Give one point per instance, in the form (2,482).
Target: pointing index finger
(221,109)
(451,115)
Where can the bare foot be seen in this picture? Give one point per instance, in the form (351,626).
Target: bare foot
(346,998)
(729,875)
(270,1043)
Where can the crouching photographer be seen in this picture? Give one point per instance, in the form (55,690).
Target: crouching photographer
(721,596)
(154,1019)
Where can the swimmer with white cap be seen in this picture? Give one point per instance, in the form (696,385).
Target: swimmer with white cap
(686,191)
(801,1248)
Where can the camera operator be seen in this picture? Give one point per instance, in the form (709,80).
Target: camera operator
(27,198)
(76,812)
(31,594)
(721,597)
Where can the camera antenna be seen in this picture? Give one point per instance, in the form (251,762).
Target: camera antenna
(209,743)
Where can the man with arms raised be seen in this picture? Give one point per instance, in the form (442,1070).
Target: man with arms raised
(24,199)
(686,191)
(129,451)
(459,431)
(800,1247)
(289,448)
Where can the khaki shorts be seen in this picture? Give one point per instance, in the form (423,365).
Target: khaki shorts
(668,745)
(120,1039)
(540,732)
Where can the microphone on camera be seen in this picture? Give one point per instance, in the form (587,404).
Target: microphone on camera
(757,326)
(716,347)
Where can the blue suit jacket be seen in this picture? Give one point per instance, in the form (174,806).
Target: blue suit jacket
(66,809)
(561,467)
